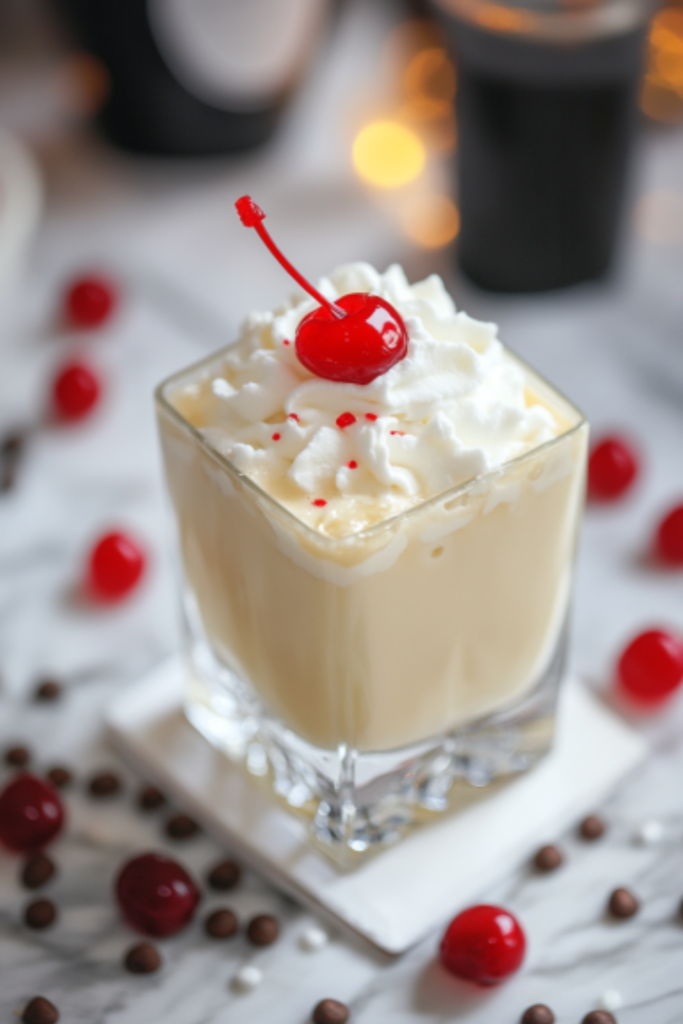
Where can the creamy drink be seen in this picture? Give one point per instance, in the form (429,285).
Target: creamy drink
(374,566)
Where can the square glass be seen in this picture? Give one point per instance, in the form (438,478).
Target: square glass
(365,678)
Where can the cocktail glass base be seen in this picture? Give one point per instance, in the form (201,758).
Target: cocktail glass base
(393,900)
(357,803)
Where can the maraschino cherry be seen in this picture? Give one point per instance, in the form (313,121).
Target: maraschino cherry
(650,669)
(75,391)
(156,895)
(612,468)
(115,566)
(352,340)
(31,813)
(89,302)
(669,539)
(483,944)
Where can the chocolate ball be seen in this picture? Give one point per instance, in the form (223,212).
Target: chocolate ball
(40,914)
(330,1011)
(221,924)
(17,757)
(224,876)
(538,1014)
(149,798)
(60,777)
(623,904)
(592,828)
(104,784)
(548,858)
(263,930)
(48,690)
(142,959)
(599,1017)
(40,1011)
(11,450)
(181,826)
(37,871)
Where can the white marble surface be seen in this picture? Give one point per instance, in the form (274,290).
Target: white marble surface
(188,275)
(438,871)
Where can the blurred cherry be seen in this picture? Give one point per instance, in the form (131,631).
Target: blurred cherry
(31,813)
(650,668)
(612,468)
(75,391)
(89,301)
(669,537)
(115,566)
(484,944)
(156,895)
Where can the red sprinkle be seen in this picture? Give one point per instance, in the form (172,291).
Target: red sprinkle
(286,343)
(401,433)
(276,437)
(371,416)
(352,464)
(319,503)
(346,419)
(293,416)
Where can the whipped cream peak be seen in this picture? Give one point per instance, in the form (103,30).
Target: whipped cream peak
(454,407)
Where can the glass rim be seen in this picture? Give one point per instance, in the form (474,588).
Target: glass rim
(550,20)
(389,522)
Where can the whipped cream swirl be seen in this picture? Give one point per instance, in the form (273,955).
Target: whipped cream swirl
(342,456)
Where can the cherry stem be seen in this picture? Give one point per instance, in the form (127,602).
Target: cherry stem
(252,216)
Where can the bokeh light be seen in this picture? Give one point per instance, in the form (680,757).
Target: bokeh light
(89,81)
(429,86)
(417,60)
(432,221)
(658,217)
(429,82)
(388,154)
(504,19)
(662,92)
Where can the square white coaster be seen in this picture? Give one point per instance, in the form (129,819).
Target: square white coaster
(398,896)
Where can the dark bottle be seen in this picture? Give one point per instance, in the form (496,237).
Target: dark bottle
(546,122)
(196,77)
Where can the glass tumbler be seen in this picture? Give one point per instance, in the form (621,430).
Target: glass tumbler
(547,114)
(368,678)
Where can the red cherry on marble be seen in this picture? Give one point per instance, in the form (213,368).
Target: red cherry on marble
(89,302)
(31,813)
(651,667)
(75,391)
(669,539)
(355,350)
(352,340)
(156,895)
(115,566)
(483,944)
(612,468)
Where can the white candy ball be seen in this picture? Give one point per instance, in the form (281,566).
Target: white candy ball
(247,978)
(650,832)
(313,939)
(610,1000)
